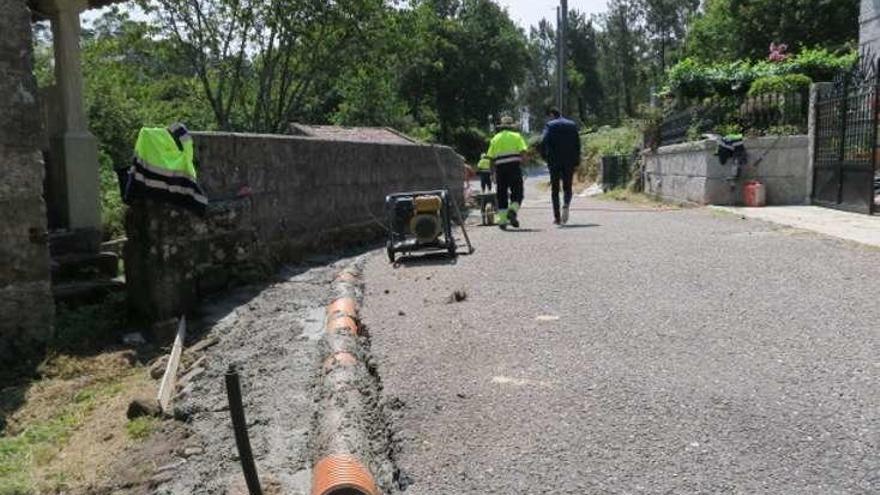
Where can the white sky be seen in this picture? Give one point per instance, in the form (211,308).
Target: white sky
(525,12)
(529,12)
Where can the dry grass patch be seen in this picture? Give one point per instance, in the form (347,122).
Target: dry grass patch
(71,425)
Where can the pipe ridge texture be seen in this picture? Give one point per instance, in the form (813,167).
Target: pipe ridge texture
(350,438)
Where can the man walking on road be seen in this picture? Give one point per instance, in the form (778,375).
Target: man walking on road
(507,154)
(561,148)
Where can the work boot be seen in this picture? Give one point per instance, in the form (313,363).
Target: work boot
(513,220)
(564,215)
(501,219)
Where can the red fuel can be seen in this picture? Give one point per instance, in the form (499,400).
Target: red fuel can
(754,194)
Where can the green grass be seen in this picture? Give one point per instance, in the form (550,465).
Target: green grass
(88,327)
(604,142)
(622,194)
(38,443)
(141,428)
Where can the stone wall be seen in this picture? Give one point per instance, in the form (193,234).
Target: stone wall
(26,306)
(691,172)
(272,198)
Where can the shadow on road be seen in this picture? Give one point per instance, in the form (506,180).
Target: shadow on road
(579,226)
(526,230)
(437,259)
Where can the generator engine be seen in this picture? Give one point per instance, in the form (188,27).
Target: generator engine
(425,224)
(418,221)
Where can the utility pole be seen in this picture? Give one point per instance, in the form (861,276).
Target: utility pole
(561,60)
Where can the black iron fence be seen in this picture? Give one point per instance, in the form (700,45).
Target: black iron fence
(845,168)
(615,171)
(784,113)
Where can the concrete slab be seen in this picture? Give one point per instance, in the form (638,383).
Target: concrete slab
(864,229)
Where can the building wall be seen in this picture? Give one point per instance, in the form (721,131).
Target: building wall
(691,172)
(869,26)
(26,306)
(273,198)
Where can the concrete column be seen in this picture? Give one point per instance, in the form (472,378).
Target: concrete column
(74,150)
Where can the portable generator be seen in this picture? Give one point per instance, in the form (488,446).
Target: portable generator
(419,221)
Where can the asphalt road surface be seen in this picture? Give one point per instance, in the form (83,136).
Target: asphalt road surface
(635,351)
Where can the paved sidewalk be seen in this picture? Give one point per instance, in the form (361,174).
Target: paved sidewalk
(864,229)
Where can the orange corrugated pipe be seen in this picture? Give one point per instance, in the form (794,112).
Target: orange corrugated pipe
(341,473)
(344,305)
(346,322)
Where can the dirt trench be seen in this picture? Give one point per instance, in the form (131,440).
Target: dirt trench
(272,335)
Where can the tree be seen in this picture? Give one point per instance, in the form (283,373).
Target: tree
(665,26)
(744,29)
(583,71)
(622,55)
(467,57)
(262,63)
(538,88)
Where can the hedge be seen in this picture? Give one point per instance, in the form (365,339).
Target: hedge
(689,78)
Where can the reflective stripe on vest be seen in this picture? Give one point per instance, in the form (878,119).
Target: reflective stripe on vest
(508,158)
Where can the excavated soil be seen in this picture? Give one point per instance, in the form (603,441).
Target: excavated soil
(271,334)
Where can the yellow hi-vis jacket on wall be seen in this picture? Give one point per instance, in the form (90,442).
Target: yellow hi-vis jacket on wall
(507,147)
(163,168)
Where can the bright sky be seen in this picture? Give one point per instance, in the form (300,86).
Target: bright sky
(529,12)
(525,12)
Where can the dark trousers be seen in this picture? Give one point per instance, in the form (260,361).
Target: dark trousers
(485,180)
(509,176)
(558,175)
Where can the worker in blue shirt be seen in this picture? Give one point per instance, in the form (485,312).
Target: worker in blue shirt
(561,148)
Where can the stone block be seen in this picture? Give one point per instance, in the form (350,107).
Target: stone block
(27,311)
(20,118)
(15,44)
(21,175)
(24,247)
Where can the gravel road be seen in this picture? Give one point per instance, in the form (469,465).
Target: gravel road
(635,351)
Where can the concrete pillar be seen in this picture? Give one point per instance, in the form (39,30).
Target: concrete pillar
(73,150)
(869,26)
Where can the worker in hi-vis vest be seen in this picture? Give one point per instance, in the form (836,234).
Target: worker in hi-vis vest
(484,170)
(163,168)
(507,152)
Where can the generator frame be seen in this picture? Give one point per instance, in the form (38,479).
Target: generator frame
(403,242)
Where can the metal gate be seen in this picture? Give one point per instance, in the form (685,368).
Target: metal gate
(846,140)
(615,171)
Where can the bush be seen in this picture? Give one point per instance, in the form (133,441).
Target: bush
(819,64)
(470,142)
(790,83)
(692,79)
(606,141)
(112,207)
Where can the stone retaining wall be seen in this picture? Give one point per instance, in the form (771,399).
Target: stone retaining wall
(273,198)
(691,172)
(26,306)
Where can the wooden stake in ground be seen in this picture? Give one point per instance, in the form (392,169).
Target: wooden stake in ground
(166,388)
